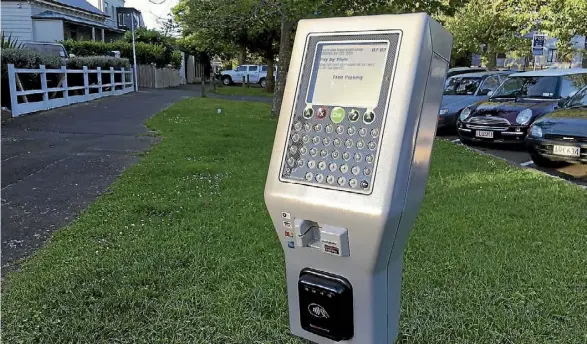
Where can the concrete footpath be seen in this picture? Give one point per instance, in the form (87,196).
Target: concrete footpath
(55,163)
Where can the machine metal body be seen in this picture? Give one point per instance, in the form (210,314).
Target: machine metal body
(349,168)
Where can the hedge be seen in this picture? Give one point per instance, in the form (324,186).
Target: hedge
(92,62)
(146,53)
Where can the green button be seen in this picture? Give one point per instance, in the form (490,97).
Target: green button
(337,114)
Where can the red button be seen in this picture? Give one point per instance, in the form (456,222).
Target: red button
(322,113)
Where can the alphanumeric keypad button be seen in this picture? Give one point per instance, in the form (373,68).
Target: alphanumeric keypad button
(363,132)
(311,164)
(348,143)
(313,151)
(356,170)
(351,131)
(340,129)
(326,141)
(369,158)
(344,168)
(303,150)
(309,176)
(353,183)
(323,153)
(316,140)
(372,145)
(330,179)
(341,181)
(291,161)
(360,144)
(358,157)
(329,129)
(322,165)
(332,167)
(375,132)
(298,126)
(346,156)
(335,154)
(319,177)
(336,142)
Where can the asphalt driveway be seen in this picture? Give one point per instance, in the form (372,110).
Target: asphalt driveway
(54,164)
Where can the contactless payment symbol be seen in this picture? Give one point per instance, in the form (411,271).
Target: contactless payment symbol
(354,115)
(337,115)
(321,113)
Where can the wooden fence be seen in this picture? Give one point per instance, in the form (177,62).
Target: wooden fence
(152,77)
(63,93)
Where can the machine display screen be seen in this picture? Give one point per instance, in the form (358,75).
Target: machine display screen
(348,73)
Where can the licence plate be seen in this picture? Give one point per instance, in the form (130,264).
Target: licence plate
(566,150)
(484,133)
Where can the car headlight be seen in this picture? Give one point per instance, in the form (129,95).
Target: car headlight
(443,111)
(524,116)
(465,114)
(536,131)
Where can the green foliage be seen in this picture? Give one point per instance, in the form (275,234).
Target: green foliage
(176,59)
(27,58)
(9,42)
(146,53)
(92,62)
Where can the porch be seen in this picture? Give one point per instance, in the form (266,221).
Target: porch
(49,26)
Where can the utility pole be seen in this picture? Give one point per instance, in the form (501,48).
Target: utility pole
(134,52)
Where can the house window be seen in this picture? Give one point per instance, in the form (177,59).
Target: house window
(113,12)
(120,19)
(551,55)
(106,7)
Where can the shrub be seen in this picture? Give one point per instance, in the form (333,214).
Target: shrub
(92,62)
(27,58)
(146,53)
(9,42)
(176,59)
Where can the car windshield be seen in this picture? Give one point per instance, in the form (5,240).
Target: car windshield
(579,99)
(461,86)
(528,86)
(46,48)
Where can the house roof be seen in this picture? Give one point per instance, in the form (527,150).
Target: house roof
(77,20)
(552,72)
(80,4)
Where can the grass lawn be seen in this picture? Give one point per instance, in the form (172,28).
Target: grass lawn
(238,90)
(182,250)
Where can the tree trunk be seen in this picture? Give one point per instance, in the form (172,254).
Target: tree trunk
(242,55)
(491,58)
(285,48)
(270,75)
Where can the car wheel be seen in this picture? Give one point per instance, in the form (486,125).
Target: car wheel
(226,80)
(263,82)
(541,161)
(466,141)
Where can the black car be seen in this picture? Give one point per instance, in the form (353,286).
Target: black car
(561,136)
(516,103)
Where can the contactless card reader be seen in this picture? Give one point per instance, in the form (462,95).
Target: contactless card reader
(349,167)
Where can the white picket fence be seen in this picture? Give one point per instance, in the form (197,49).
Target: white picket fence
(17,91)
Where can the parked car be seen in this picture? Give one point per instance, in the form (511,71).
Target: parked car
(561,136)
(463,70)
(256,74)
(516,103)
(463,90)
(47,48)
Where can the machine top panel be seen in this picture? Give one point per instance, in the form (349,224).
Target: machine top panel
(341,105)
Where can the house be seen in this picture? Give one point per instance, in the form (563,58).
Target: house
(56,20)
(118,14)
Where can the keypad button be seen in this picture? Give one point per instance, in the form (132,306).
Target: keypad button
(348,143)
(353,183)
(298,126)
(316,140)
(313,151)
(337,115)
(346,156)
(305,139)
(319,177)
(375,132)
(307,127)
(336,142)
(322,112)
(369,158)
(368,117)
(372,145)
(291,161)
(318,127)
(335,154)
(303,151)
(332,167)
(363,131)
(308,112)
(322,165)
(356,170)
(365,184)
(358,157)
(287,171)
(354,115)
(301,162)
(329,129)
(309,176)
(293,149)
(323,153)
(367,171)
(330,179)
(360,144)
(326,141)
(344,168)
(341,181)
(311,164)
(351,131)
(340,129)
(295,137)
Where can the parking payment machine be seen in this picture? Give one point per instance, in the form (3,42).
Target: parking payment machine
(349,168)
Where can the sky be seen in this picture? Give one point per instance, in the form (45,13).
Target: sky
(151,11)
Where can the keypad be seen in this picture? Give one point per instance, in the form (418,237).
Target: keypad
(333,149)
